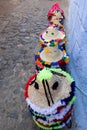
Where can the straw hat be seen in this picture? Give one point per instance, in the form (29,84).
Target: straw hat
(51,57)
(56,15)
(51,36)
(48,87)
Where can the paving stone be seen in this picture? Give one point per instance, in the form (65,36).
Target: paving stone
(13,114)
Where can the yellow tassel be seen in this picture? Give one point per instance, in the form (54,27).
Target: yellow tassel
(46,50)
(55,43)
(66,60)
(65,40)
(62,26)
(64,52)
(48,63)
(38,53)
(40,43)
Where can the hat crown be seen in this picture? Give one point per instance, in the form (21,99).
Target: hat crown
(50,89)
(54,8)
(51,32)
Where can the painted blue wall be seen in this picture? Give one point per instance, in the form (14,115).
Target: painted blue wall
(77,51)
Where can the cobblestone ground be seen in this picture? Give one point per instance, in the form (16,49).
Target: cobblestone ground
(21,21)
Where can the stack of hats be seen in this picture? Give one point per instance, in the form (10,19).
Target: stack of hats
(52,40)
(52,52)
(50,92)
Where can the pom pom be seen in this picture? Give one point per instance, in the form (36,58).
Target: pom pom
(44,74)
(46,49)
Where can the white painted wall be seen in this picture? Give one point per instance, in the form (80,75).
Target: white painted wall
(77,51)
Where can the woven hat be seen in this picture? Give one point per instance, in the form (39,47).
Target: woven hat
(51,57)
(56,16)
(57,113)
(48,87)
(51,36)
(55,9)
(51,54)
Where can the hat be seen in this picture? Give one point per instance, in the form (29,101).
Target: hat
(51,36)
(48,89)
(50,95)
(55,7)
(56,16)
(54,58)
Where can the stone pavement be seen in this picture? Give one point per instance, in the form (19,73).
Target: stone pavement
(21,21)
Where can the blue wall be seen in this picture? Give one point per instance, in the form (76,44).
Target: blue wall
(77,51)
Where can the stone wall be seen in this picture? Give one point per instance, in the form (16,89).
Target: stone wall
(77,51)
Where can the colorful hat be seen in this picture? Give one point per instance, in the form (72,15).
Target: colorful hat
(51,36)
(54,58)
(50,96)
(56,15)
(55,8)
(51,122)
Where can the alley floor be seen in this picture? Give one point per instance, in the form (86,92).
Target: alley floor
(21,22)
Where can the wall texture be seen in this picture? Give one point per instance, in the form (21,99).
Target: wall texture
(77,51)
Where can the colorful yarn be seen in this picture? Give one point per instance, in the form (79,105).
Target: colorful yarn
(52,127)
(58,116)
(44,122)
(27,85)
(44,74)
(60,113)
(56,16)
